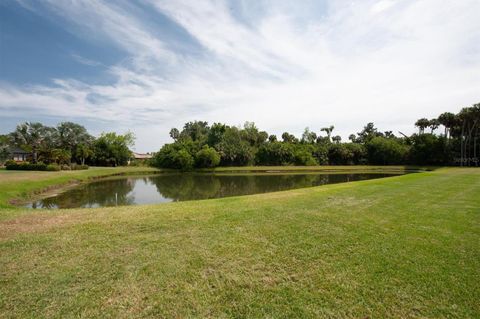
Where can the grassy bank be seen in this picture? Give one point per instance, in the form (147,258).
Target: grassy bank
(23,184)
(405,246)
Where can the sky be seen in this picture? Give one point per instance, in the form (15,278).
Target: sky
(149,65)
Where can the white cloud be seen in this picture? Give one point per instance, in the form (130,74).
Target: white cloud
(85,61)
(384,61)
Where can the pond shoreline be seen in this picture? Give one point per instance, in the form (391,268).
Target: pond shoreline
(57,189)
(298,176)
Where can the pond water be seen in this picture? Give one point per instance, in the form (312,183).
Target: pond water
(160,188)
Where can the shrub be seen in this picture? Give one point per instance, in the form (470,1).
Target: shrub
(429,149)
(25,166)
(386,151)
(321,154)
(275,153)
(184,160)
(165,158)
(10,163)
(207,157)
(173,156)
(53,168)
(65,167)
(339,154)
(77,167)
(304,157)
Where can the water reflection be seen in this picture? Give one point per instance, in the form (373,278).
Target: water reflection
(180,187)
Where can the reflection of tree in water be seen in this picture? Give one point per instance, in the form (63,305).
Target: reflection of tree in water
(201,186)
(103,193)
(188,186)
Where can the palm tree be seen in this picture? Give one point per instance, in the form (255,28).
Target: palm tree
(447,119)
(328,130)
(433,124)
(422,124)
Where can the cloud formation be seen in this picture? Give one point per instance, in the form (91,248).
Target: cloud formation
(285,65)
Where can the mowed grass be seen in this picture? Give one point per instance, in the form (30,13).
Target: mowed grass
(399,247)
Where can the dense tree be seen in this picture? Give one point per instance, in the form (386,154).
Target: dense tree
(71,134)
(4,148)
(113,149)
(199,145)
(272,138)
(207,157)
(369,132)
(32,136)
(386,151)
(196,131)
(304,155)
(428,149)
(252,135)
(233,149)
(174,134)
(308,136)
(275,153)
(469,120)
(340,154)
(83,152)
(216,133)
(320,152)
(289,138)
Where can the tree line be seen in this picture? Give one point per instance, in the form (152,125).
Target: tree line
(199,145)
(67,143)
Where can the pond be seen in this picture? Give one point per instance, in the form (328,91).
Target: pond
(160,188)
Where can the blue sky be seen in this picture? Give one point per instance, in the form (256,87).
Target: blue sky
(148,65)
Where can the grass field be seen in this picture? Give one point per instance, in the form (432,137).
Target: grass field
(399,247)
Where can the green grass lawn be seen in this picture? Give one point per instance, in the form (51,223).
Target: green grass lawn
(402,247)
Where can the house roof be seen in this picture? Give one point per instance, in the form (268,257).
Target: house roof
(17,150)
(141,156)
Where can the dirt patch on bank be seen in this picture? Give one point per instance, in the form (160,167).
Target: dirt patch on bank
(36,223)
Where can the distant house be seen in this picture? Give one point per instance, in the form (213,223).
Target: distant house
(140,156)
(18,155)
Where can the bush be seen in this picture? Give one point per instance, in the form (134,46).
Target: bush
(207,157)
(184,159)
(275,153)
(25,166)
(386,151)
(77,167)
(173,156)
(321,154)
(303,156)
(339,154)
(53,168)
(10,163)
(429,149)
